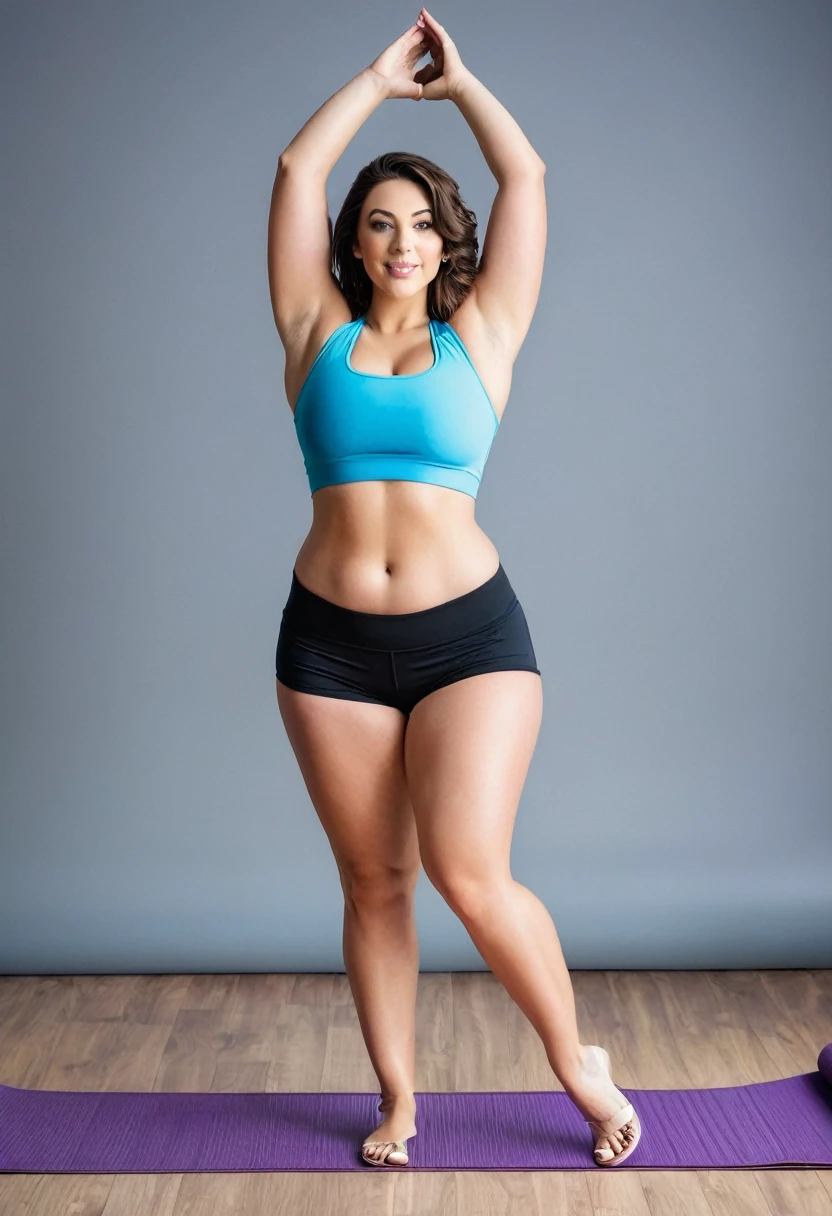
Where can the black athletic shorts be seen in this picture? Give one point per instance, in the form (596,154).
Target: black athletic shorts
(398,658)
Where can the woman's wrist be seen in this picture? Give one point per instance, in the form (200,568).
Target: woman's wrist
(457,89)
(379,81)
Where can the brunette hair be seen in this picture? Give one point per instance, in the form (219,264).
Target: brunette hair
(456,223)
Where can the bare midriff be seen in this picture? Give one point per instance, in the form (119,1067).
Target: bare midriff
(393,546)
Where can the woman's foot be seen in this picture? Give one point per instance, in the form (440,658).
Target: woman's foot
(399,1123)
(597,1098)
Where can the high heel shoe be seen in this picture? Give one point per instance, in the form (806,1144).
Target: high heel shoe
(399,1150)
(614,1124)
(398,1147)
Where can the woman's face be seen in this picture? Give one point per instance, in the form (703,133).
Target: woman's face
(397,225)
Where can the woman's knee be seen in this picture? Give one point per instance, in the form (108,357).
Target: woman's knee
(469,892)
(374,886)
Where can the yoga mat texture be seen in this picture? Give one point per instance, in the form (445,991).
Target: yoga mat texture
(772,1123)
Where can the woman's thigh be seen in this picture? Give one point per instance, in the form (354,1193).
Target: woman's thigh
(351,758)
(468,749)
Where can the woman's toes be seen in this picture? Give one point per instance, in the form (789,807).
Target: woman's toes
(613,1144)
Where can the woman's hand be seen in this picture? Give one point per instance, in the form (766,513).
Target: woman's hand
(445,74)
(395,65)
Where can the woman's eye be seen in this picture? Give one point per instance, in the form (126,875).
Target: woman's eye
(427,223)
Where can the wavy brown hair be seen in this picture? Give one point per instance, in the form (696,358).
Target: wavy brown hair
(456,223)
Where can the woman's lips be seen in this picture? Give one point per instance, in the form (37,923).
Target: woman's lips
(400,272)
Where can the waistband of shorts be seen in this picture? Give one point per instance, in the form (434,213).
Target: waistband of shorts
(309,613)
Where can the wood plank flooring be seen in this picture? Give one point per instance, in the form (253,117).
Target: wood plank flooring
(252,1033)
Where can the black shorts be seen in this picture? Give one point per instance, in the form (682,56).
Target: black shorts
(398,658)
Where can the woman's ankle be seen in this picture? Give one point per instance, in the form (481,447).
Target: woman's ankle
(404,1098)
(585,1066)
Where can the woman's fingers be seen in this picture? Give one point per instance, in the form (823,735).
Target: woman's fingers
(431,34)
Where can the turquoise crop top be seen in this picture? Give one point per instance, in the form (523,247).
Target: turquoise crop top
(435,426)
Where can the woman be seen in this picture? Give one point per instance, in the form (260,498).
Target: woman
(405,673)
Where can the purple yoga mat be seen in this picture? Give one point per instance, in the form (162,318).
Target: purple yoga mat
(772,1123)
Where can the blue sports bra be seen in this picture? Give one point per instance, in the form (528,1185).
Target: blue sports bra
(435,426)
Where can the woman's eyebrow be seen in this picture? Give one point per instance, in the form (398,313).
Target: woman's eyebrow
(390,213)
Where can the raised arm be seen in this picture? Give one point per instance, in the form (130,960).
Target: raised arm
(507,285)
(301,281)
(299,253)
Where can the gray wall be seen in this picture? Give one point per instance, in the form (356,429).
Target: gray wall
(659,492)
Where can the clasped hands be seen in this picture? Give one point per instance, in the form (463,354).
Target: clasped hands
(439,80)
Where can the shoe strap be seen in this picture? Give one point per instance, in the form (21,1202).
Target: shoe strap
(616,1121)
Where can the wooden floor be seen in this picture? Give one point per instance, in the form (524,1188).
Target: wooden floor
(252,1033)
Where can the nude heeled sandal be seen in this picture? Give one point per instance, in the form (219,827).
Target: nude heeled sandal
(614,1124)
(399,1148)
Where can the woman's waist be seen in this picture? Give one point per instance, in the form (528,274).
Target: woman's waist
(407,574)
